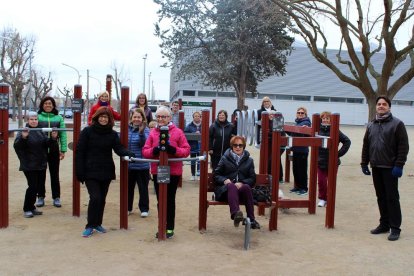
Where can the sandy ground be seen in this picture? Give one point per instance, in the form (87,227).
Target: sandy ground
(52,244)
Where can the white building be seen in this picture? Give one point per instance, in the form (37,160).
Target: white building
(306,83)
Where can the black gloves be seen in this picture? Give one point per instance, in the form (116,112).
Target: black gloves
(155,150)
(365,170)
(171,149)
(397,172)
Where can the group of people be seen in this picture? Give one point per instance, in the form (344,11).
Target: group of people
(385,148)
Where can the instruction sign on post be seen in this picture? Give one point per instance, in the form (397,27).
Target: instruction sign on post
(163,174)
(77,105)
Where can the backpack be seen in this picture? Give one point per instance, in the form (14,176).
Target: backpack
(262,194)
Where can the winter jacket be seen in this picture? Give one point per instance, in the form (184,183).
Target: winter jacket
(259,118)
(95,107)
(192,128)
(228,169)
(385,143)
(176,139)
(219,137)
(94,153)
(323,156)
(47,119)
(32,151)
(301,122)
(136,142)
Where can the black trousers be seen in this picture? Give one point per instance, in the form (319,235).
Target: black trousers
(53,161)
(171,192)
(300,170)
(140,177)
(193,163)
(34,178)
(269,163)
(388,198)
(97,198)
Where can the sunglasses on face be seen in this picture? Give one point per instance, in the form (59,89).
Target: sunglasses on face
(238,145)
(299,112)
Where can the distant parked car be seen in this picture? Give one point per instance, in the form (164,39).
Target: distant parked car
(68,113)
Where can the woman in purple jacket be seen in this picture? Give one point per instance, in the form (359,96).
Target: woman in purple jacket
(177,147)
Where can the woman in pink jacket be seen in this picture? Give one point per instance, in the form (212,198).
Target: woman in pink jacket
(177,147)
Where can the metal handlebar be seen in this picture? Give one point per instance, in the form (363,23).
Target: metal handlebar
(44,129)
(133,159)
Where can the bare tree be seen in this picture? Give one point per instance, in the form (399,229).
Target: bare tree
(16,54)
(119,78)
(68,94)
(360,29)
(41,85)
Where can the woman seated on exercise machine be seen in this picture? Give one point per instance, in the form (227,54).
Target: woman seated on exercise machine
(235,178)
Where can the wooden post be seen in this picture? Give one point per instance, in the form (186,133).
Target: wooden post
(332,172)
(202,208)
(76,133)
(4,156)
(108,86)
(162,201)
(264,144)
(123,208)
(313,168)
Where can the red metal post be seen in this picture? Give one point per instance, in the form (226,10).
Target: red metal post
(287,165)
(213,110)
(123,209)
(332,172)
(108,86)
(202,209)
(264,144)
(313,168)
(76,133)
(4,158)
(275,171)
(162,201)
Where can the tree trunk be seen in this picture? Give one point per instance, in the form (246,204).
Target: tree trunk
(371,107)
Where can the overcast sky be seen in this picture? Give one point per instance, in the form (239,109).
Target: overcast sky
(92,35)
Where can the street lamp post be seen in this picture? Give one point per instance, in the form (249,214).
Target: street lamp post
(143,85)
(149,85)
(77,71)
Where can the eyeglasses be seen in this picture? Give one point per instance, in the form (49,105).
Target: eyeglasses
(238,145)
(300,112)
(104,116)
(162,116)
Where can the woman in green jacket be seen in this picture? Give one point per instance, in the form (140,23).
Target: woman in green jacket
(49,117)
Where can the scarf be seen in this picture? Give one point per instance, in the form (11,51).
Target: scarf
(236,157)
(382,117)
(101,103)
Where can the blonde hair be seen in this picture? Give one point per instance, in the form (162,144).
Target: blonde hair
(304,110)
(103,93)
(152,124)
(266,98)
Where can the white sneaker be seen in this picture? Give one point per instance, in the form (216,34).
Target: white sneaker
(144,214)
(192,178)
(322,203)
(129,213)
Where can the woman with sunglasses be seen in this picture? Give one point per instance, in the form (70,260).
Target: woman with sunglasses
(300,156)
(235,178)
(177,147)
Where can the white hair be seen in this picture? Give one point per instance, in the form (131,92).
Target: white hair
(163,108)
